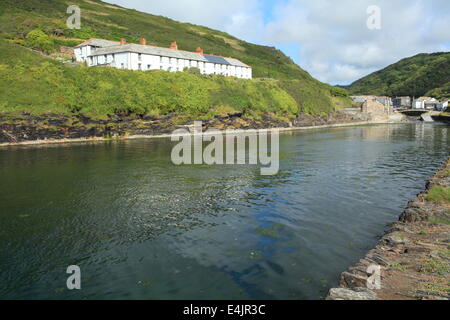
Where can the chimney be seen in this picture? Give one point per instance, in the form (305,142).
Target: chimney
(199,50)
(174,46)
(143,42)
(123,41)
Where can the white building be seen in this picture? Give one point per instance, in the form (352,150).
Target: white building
(421,103)
(122,55)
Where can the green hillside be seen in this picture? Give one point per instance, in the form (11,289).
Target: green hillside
(441,93)
(52,86)
(414,76)
(101,20)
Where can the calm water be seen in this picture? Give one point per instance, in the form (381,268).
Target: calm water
(141,228)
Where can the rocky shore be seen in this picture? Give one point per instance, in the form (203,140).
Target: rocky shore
(26,128)
(414,255)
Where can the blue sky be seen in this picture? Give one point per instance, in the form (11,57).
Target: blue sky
(328,38)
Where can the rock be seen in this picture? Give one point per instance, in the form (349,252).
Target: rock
(351,294)
(394,240)
(417,250)
(351,280)
(399,227)
(375,257)
(412,214)
(425,295)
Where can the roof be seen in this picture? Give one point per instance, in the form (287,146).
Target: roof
(98,43)
(166,52)
(426,99)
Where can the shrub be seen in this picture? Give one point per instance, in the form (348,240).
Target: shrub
(39,40)
(192,70)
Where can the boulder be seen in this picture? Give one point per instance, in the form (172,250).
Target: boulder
(351,294)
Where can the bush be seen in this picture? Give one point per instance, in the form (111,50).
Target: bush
(39,40)
(192,70)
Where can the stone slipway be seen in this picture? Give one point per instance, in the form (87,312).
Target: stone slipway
(414,255)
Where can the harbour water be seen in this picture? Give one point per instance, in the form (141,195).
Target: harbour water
(140,227)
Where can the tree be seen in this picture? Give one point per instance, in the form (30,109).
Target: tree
(39,40)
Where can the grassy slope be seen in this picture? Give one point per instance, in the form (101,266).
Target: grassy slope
(18,17)
(95,91)
(414,76)
(441,93)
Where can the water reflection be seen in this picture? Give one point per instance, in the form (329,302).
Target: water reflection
(142,228)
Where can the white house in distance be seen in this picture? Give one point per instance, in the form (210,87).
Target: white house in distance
(428,103)
(123,55)
(423,102)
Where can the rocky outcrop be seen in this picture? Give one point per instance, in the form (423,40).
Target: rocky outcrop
(413,256)
(28,128)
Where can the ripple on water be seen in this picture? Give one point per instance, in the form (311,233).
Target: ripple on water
(141,228)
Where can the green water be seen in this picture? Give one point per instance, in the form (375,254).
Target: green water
(141,228)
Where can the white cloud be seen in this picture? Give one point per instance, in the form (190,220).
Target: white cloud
(219,14)
(334,34)
(335,44)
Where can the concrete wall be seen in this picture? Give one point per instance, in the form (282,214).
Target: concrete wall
(376,110)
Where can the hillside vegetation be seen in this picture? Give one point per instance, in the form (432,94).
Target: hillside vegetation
(54,87)
(441,93)
(423,74)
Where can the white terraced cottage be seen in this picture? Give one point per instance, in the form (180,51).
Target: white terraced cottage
(123,55)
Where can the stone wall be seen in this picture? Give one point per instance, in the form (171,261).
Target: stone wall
(413,256)
(376,110)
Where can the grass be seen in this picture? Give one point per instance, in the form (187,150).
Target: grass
(438,289)
(438,194)
(103,20)
(97,92)
(398,267)
(435,220)
(434,265)
(54,88)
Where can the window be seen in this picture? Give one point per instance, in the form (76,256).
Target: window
(114,57)
(161,60)
(149,66)
(140,57)
(140,66)
(123,66)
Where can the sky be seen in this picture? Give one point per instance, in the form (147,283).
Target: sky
(336,41)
